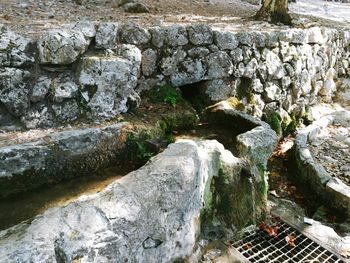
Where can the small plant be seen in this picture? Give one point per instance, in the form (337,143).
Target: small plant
(167,94)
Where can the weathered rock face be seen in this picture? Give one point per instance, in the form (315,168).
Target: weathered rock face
(59,155)
(113,80)
(266,71)
(61,47)
(150,215)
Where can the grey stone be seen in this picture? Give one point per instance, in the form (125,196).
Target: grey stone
(14,92)
(14,49)
(149,62)
(107,35)
(38,116)
(114,78)
(134,34)
(274,65)
(225,40)
(272,92)
(64,89)
(192,71)
(200,34)
(237,55)
(66,111)
(150,215)
(257,86)
(137,7)
(158,36)
(315,36)
(61,47)
(245,38)
(198,52)
(220,89)
(176,35)
(59,155)
(250,69)
(88,28)
(219,65)
(40,89)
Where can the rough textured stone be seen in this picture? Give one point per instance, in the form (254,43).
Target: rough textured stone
(14,92)
(219,65)
(60,155)
(200,34)
(198,52)
(137,7)
(124,214)
(66,111)
(225,40)
(134,34)
(176,35)
(114,81)
(219,89)
(14,49)
(88,28)
(61,47)
(149,62)
(40,89)
(272,92)
(64,89)
(192,71)
(274,65)
(107,35)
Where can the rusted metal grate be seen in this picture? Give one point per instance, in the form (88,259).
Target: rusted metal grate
(258,246)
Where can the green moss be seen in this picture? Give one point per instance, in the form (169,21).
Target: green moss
(166,93)
(274,120)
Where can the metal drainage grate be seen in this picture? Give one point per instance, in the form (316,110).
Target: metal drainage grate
(258,246)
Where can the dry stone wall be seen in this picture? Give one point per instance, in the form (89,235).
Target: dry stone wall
(96,71)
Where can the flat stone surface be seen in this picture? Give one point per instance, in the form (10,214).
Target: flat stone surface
(331,148)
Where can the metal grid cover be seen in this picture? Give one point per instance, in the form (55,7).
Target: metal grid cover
(258,246)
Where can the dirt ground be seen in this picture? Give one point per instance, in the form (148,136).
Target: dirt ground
(30,16)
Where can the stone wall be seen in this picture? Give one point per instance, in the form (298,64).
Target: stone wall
(96,71)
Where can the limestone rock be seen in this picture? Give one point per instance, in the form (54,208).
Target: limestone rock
(198,52)
(61,47)
(149,62)
(219,65)
(88,28)
(134,34)
(220,89)
(14,50)
(274,65)
(64,89)
(158,35)
(40,89)
(192,71)
(150,215)
(114,80)
(225,40)
(176,35)
(38,116)
(66,111)
(107,35)
(272,92)
(200,34)
(14,93)
(315,36)
(137,7)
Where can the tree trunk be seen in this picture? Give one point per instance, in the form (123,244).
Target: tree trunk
(274,11)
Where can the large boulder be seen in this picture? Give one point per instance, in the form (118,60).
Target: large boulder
(150,215)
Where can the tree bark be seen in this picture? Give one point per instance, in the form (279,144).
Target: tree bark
(275,11)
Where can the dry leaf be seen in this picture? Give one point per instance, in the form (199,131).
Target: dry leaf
(247,246)
(272,231)
(290,239)
(274,193)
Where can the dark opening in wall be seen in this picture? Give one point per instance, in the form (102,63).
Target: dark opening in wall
(196,94)
(244,89)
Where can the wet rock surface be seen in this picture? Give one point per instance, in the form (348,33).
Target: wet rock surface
(177,180)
